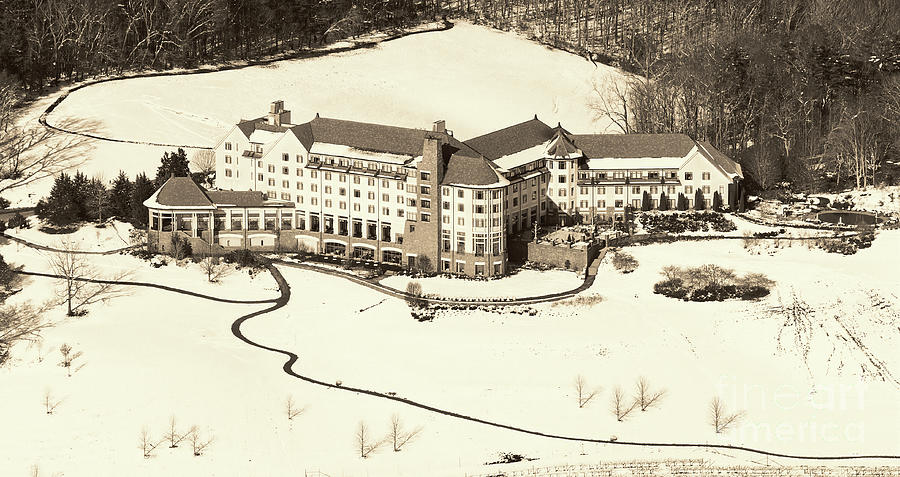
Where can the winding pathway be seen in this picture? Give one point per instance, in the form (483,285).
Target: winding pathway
(292,358)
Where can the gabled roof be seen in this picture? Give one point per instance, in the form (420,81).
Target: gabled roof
(512,139)
(242,198)
(469,170)
(181,192)
(721,161)
(561,145)
(633,145)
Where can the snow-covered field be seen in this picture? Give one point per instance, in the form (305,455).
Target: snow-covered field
(824,385)
(875,199)
(112,235)
(478,92)
(525,283)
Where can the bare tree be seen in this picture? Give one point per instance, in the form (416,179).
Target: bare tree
(398,436)
(214,268)
(644,396)
(33,152)
(365,442)
(204,163)
(720,418)
(414,294)
(610,101)
(19,322)
(81,283)
(621,407)
(147,445)
(172,434)
(50,403)
(291,408)
(198,444)
(582,392)
(68,357)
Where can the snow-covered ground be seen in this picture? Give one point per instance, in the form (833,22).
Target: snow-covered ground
(823,385)
(525,283)
(89,237)
(884,199)
(477,93)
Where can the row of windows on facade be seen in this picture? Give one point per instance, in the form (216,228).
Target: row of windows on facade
(619,190)
(328,160)
(461,267)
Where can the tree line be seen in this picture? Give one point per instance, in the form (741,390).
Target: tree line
(48,41)
(76,198)
(801,90)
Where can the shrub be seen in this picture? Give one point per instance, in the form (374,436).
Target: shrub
(624,262)
(243,258)
(17,221)
(711,283)
(414,294)
(686,222)
(4,204)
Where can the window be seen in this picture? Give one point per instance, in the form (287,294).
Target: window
(653,175)
(299,185)
(459,193)
(460,221)
(356,193)
(271,182)
(424,190)
(460,207)
(313,174)
(601,204)
(425,204)
(562,193)
(411,202)
(445,205)
(601,190)
(424,175)
(327,202)
(705,176)
(479,209)
(371,195)
(706,189)
(619,204)
(299,172)
(371,209)
(670,190)
(285,157)
(271,168)
(561,179)
(227,146)
(327,176)
(227,159)
(342,191)
(688,176)
(259,177)
(636,190)
(620,190)
(479,195)
(385,211)
(561,164)
(515,201)
(285,184)
(425,217)
(356,179)
(299,159)
(688,190)
(314,187)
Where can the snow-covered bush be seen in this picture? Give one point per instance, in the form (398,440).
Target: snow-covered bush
(711,283)
(624,262)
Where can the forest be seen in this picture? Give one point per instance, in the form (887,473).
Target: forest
(804,91)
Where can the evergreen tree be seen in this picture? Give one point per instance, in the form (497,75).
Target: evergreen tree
(175,163)
(699,203)
(646,202)
(81,189)
(61,207)
(663,201)
(681,203)
(717,201)
(142,191)
(120,196)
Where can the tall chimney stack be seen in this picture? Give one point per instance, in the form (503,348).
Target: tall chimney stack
(439,126)
(277,114)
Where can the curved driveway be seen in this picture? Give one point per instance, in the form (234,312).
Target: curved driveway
(284,298)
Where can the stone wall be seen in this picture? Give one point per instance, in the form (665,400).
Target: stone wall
(561,256)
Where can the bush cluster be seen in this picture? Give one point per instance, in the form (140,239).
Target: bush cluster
(711,283)
(243,258)
(769,234)
(17,221)
(686,222)
(848,246)
(624,262)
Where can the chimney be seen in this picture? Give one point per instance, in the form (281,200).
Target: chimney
(277,114)
(439,126)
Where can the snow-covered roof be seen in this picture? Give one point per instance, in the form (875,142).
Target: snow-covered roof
(261,136)
(623,163)
(520,158)
(356,153)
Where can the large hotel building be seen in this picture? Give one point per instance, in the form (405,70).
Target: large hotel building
(422,198)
